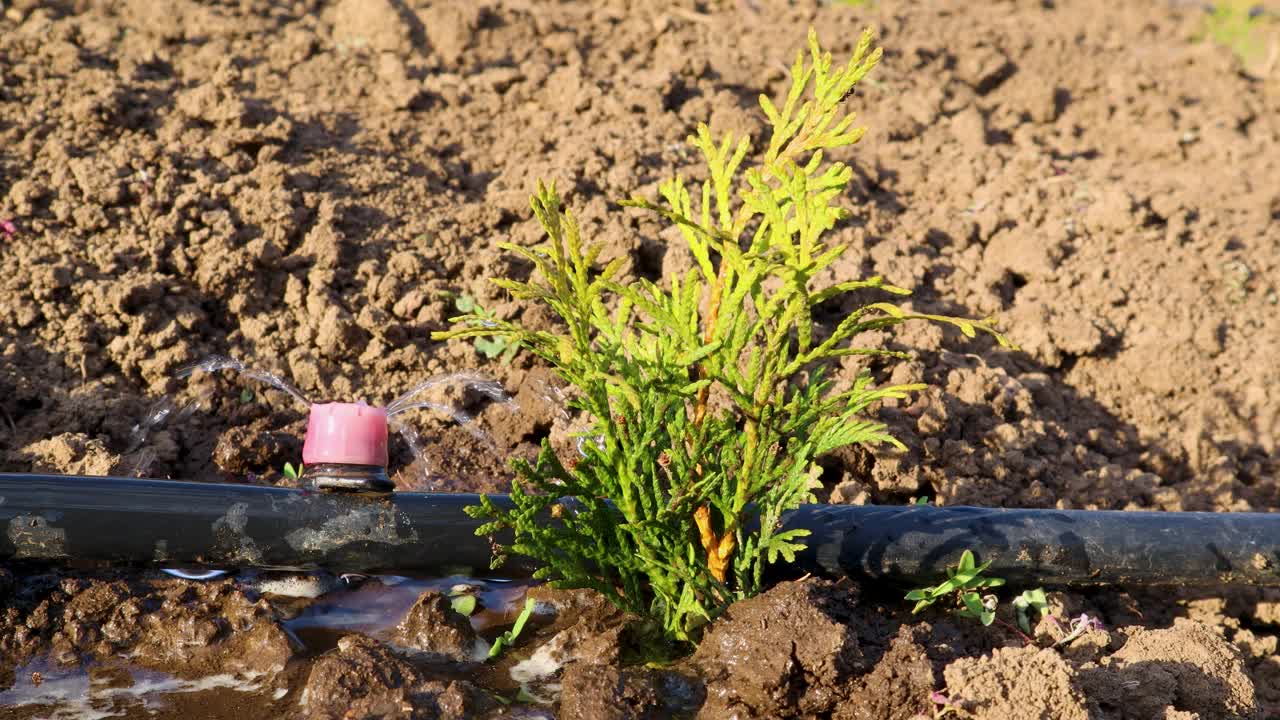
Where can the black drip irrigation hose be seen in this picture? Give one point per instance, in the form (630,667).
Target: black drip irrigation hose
(96,520)
(915,544)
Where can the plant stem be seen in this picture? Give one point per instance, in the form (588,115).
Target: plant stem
(1017,630)
(708,334)
(717,560)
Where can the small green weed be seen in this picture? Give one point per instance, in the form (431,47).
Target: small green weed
(1241,25)
(965,583)
(493,346)
(508,638)
(463,603)
(1028,601)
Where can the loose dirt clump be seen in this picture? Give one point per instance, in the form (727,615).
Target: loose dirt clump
(72,454)
(362,678)
(177,626)
(1186,668)
(899,685)
(1017,684)
(433,628)
(607,692)
(790,652)
(242,450)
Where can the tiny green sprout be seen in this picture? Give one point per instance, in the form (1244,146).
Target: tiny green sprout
(1026,602)
(508,638)
(1243,26)
(463,603)
(922,501)
(490,347)
(963,582)
(246,396)
(980,608)
(291,472)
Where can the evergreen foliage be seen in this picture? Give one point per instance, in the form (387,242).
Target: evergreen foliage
(709,394)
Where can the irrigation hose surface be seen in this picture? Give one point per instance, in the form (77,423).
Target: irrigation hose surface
(54,518)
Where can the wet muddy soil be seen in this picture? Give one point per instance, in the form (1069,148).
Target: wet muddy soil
(315,186)
(397,648)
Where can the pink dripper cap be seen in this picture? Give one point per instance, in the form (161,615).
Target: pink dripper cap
(347,434)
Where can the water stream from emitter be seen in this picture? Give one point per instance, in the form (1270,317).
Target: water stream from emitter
(411,400)
(168,410)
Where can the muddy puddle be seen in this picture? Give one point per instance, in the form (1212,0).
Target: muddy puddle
(116,690)
(256,644)
(373,605)
(266,645)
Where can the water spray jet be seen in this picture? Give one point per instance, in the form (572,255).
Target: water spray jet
(346,443)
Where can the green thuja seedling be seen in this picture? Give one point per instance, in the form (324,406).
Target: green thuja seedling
(709,395)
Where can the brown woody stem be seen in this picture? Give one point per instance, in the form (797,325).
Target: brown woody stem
(718,550)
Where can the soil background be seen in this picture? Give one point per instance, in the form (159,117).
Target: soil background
(311,186)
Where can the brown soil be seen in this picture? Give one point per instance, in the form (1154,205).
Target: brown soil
(1018,684)
(790,652)
(1187,667)
(309,185)
(362,678)
(159,623)
(432,628)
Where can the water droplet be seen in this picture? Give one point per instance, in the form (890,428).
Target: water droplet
(155,418)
